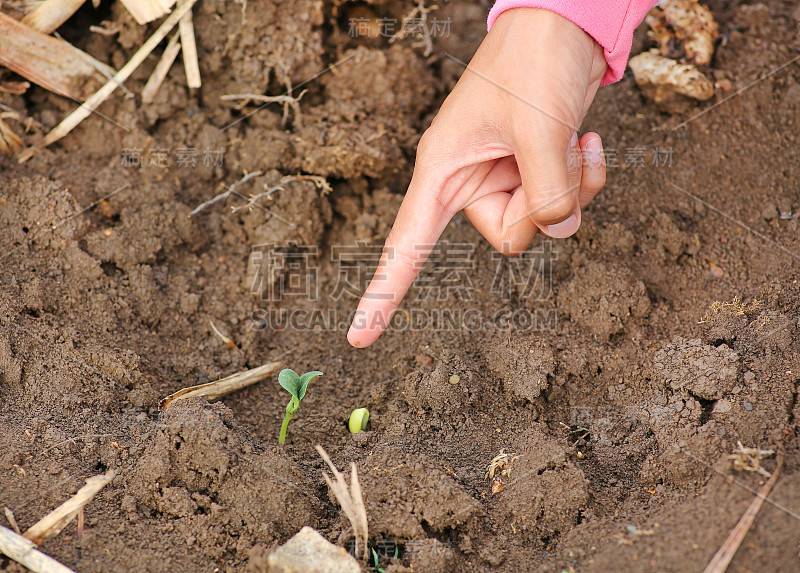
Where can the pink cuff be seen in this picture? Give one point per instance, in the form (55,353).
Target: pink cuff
(610,22)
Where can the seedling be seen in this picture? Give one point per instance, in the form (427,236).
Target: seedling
(296,385)
(375,557)
(358,420)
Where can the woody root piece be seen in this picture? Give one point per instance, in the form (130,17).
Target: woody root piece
(224,386)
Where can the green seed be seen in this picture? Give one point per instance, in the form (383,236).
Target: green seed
(358,420)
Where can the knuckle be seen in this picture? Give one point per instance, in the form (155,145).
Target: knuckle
(552,209)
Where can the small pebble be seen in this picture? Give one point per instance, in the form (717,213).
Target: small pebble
(722,407)
(679,405)
(455,379)
(715,270)
(724,85)
(748,406)
(769,212)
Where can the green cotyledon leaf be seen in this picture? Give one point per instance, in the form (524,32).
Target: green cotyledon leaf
(290,381)
(304,380)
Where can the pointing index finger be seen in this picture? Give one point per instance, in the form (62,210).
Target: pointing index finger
(420,222)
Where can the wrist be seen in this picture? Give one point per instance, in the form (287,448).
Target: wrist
(533,30)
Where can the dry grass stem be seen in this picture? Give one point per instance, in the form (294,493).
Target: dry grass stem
(189,49)
(224,386)
(49,15)
(501,465)
(52,523)
(12,520)
(733,308)
(49,62)
(161,70)
(144,11)
(351,501)
(10,142)
(719,563)
(24,551)
(14,88)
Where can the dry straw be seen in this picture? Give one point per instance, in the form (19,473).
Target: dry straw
(351,500)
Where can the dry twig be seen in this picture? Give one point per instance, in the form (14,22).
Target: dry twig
(224,386)
(351,500)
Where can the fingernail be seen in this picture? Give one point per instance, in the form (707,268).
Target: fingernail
(594,152)
(565,228)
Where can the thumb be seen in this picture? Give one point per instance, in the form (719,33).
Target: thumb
(550,168)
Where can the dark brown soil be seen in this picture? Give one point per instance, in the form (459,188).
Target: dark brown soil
(617,381)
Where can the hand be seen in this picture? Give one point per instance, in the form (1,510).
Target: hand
(504,149)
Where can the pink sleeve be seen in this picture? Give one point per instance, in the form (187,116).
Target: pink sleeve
(610,22)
